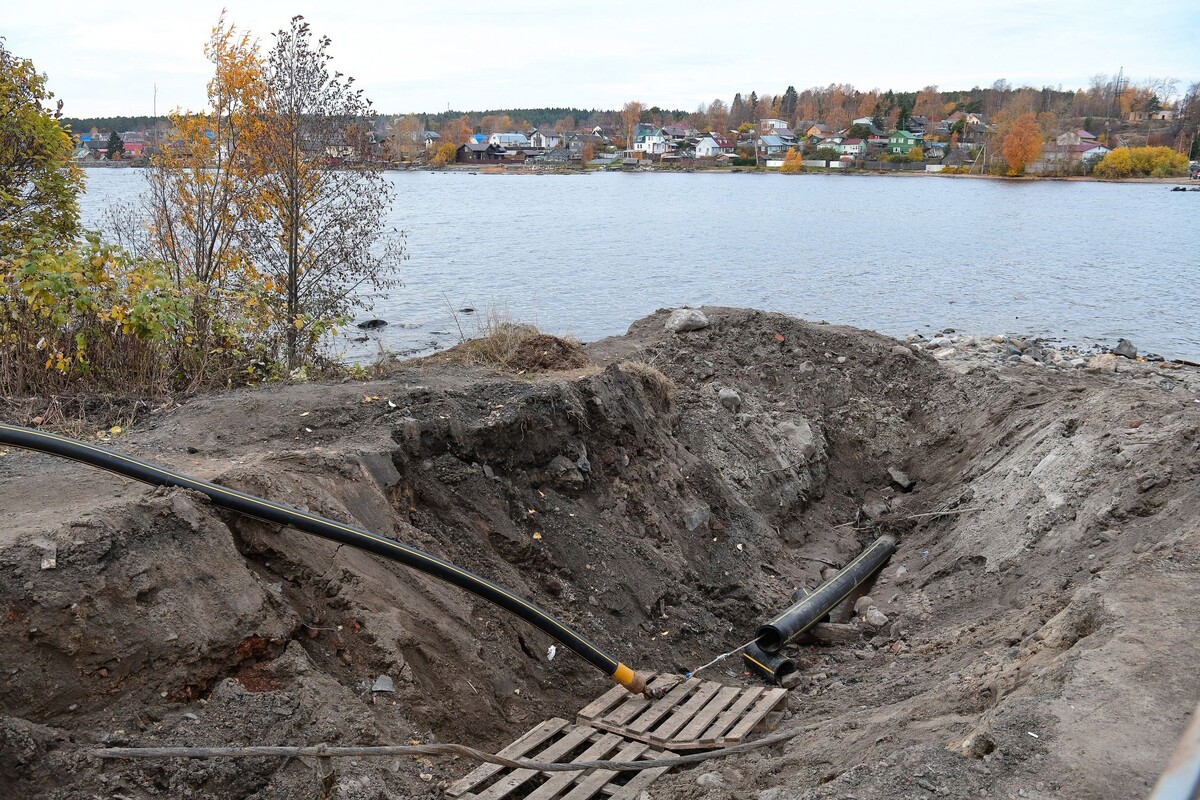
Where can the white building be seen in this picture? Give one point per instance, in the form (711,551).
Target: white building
(515,141)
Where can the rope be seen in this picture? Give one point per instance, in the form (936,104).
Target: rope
(659,692)
(324,751)
(722,657)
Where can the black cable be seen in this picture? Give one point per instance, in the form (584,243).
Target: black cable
(54,444)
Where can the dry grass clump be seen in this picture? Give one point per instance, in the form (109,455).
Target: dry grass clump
(80,415)
(658,386)
(514,347)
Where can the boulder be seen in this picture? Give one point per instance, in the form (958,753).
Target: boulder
(686,319)
(373,324)
(730,399)
(1125,348)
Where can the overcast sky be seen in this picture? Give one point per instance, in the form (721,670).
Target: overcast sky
(104,58)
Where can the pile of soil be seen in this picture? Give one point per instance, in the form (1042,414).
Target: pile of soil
(1039,635)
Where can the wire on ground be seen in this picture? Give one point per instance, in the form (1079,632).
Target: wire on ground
(323,751)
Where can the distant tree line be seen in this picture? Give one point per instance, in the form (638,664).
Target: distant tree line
(1105,103)
(1108,103)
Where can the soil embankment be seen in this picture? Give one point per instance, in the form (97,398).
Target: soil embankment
(664,499)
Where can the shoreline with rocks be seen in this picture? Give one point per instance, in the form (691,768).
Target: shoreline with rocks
(965,352)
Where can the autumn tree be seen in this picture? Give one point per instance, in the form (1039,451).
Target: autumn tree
(39,181)
(202,189)
(792,162)
(320,232)
(445,154)
(631,115)
(76,315)
(718,116)
(405,138)
(457,131)
(1022,143)
(1130,162)
(928,103)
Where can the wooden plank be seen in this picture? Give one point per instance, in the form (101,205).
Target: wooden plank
(561,780)
(663,705)
(702,720)
(731,716)
(636,703)
(638,783)
(682,715)
(766,705)
(603,703)
(593,783)
(573,738)
(533,738)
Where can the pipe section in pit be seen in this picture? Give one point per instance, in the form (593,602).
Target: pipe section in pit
(797,618)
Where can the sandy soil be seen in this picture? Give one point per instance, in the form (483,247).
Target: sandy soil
(1040,637)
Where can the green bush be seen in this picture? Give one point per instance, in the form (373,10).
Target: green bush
(95,318)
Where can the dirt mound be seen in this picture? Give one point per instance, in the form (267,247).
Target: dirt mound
(517,349)
(545,353)
(663,501)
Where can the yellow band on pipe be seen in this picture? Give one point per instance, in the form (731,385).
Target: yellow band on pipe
(629,679)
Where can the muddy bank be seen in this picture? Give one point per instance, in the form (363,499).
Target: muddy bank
(663,499)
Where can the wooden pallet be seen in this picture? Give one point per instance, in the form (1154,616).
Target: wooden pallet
(695,715)
(559,740)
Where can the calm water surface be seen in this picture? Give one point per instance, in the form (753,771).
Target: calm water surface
(588,254)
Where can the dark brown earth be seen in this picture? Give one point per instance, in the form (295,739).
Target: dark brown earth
(1041,634)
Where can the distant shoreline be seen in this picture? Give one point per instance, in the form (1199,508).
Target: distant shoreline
(497,169)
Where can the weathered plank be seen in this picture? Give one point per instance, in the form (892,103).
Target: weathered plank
(696,727)
(559,781)
(636,704)
(731,715)
(604,703)
(663,706)
(638,783)
(520,747)
(594,783)
(556,750)
(684,713)
(771,699)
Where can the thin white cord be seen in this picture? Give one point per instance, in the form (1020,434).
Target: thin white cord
(722,657)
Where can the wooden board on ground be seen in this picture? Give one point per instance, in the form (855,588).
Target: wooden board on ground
(694,715)
(558,741)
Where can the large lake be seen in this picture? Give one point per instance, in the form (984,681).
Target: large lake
(586,255)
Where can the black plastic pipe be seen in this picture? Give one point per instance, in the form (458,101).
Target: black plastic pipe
(259,508)
(769,666)
(797,618)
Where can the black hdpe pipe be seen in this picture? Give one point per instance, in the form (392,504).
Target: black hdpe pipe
(797,618)
(769,666)
(242,503)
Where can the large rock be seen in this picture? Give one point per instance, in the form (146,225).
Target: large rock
(686,319)
(730,399)
(1125,348)
(901,478)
